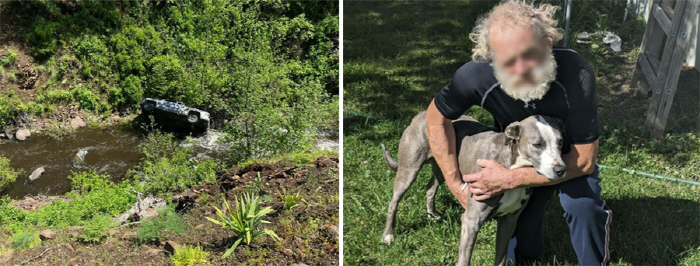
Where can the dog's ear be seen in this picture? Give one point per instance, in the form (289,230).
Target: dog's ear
(513,132)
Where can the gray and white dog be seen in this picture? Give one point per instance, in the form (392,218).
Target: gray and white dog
(535,141)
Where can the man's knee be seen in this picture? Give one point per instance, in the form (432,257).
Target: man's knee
(583,208)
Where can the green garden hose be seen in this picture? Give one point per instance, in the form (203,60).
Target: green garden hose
(632,171)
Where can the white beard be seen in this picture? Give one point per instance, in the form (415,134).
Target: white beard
(525,91)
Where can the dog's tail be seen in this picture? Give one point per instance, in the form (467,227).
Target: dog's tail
(389,161)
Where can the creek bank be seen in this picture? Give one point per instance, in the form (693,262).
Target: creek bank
(309,232)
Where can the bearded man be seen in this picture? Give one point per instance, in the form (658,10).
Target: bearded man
(515,73)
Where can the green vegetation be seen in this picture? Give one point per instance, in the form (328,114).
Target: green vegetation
(289,200)
(167,165)
(25,239)
(189,256)
(97,228)
(10,58)
(398,55)
(152,230)
(7,174)
(266,70)
(245,220)
(97,196)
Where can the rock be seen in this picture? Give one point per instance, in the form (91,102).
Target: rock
(9,133)
(199,226)
(77,122)
(79,157)
(143,209)
(22,134)
(47,234)
(300,264)
(150,252)
(127,235)
(36,174)
(333,230)
(288,252)
(171,246)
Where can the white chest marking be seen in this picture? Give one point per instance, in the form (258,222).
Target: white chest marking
(512,200)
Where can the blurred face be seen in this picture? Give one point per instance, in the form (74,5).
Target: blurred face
(523,63)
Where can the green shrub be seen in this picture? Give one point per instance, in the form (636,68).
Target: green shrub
(151,230)
(7,173)
(244,221)
(86,98)
(97,228)
(56,96)
(167,166)
(25,239)
(190,256)
(131,91)
(98,196)
(42,37)
(12,77)
(10,58)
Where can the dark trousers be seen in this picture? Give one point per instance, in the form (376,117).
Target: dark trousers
(585,212)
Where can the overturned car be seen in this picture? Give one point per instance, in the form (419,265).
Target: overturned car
(176,115)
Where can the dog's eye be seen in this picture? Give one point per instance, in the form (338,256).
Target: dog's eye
(537,145)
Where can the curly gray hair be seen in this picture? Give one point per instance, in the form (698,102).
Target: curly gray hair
(510,14)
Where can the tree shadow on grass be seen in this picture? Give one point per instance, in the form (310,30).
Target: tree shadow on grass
(644,231)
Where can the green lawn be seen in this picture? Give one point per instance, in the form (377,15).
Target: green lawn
(398,55)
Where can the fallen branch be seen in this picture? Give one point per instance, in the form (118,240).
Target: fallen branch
(127,224)
(42,254)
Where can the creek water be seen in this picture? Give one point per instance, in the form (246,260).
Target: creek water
(110,151)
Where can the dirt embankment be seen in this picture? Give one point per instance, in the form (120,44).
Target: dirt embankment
(308,232)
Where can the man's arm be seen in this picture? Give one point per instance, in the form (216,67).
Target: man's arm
(495,179)
(441,137)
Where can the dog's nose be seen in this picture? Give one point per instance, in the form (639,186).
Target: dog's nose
(560,170)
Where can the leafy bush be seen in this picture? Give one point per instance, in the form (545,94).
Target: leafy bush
(86,98)
(7,173)
(25,239)
(98,196)
(97,228)
(245,220)
(168,219)
(189,256)
(167,166)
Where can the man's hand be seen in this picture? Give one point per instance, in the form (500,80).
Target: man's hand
(492,180)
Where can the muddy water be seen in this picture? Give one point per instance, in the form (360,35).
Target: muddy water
(109,151)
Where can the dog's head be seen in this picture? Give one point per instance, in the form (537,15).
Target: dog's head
(538,143)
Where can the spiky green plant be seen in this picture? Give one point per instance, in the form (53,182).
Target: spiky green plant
(244,220)
(289,200)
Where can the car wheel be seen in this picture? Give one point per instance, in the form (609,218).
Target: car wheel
(149,107)
(192,117)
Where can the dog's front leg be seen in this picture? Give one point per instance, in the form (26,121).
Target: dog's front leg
(504,232)
(471,222)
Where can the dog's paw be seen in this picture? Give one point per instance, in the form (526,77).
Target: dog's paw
(387,239)
(434,217)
